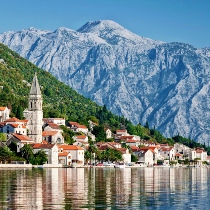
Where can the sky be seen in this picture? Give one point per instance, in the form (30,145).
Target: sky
(185,21)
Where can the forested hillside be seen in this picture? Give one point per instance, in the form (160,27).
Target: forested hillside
(59,100)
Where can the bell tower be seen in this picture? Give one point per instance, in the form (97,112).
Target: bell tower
(35,113)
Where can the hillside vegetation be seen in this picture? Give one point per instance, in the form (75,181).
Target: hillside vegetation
(59,100)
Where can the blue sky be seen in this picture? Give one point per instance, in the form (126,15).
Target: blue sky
(166,20)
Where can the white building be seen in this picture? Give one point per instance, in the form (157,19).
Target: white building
(35,113)
(64,158)
(50,149)
(82,138)
(76,127)
(52,137)
(108,133)
(77,153)
(167,152)
(125,154)
(58,121)
(4,113)
(14,128)
(20,140)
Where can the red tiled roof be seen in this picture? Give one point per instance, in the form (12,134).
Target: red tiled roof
(54,126)
(13,119)
(2,108)
(22,137)
(145,149)
(43,146)
(131,141)
(70,147)
(63,154)
(122,150)
(49,133)
(166,148)
(81,137)
(126,137)
(117,131)
(134,148)
(81,126)
(178,155)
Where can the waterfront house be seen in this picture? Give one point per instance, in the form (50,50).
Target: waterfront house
(20,140)
(77,153)
(50,149)
(167,153)
(145,155)
(201,154)
(64,158)
(126,156)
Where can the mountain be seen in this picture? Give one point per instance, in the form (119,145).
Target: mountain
(165,84)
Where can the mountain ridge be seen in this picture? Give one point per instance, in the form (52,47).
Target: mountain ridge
(166,84)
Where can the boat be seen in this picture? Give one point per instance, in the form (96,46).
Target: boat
(119,165)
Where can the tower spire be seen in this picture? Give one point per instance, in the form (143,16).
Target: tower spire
(35,89)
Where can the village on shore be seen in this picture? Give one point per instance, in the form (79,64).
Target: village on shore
(46,134)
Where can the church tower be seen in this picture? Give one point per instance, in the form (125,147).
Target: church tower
(35,113)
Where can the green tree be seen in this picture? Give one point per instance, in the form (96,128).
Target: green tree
(3,137)
(19,112)
(134,158)
(27,152)
(39,158)
(99,132)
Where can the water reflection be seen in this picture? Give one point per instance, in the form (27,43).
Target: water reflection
(106,188)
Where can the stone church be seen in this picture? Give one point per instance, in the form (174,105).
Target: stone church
(34,112)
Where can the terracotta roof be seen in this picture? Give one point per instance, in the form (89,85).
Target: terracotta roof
(44,142)
(54,126)
(2,108)
(70,147)
(43,146)
(22,137)
(122,150)
(81,137)
(145,149)
(49,133)
(13,119)
(13,125)
(63,154)
(117,131)
(81,126)
(178,155)
(134,148)
(199,151)
(46,120)
(126,137)
(131,141)
(2,124)
(166,148)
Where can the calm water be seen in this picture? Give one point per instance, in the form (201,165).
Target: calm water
(105,188)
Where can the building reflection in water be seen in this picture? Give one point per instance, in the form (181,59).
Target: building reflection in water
(74,188)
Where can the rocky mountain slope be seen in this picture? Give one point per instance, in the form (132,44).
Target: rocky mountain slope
(166,84)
